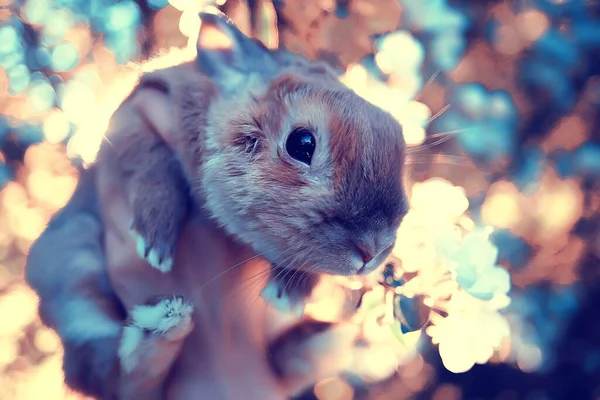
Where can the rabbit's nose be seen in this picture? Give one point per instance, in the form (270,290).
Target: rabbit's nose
(366,249)
(369,247)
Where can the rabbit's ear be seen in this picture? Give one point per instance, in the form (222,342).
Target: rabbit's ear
(225,54)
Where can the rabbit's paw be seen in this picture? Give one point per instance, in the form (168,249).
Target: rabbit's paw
(159,217)
(162,259)
(287,302)
(170,319)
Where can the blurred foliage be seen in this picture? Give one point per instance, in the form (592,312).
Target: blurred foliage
(512,95)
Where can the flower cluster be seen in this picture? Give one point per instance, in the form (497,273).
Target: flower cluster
(455,266)
(442,280)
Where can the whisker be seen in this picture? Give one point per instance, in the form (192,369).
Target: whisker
(430,145)
(282,273)
(440,156)
(290,280)
(284,260)
(228,270)
(443,137)
(309,270)
(255,275)
(108,140)
(250,283)
(244,283)
(439,113)
(428,83)
(285,270)
(440,159)
(446,133)
(437,142)
(420,162)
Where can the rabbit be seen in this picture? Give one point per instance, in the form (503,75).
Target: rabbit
(274,150)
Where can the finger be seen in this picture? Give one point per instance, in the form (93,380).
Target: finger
(311,351)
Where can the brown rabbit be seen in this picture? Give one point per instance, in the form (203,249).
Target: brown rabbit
(274,150)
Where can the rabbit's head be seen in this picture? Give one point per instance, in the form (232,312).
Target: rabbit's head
(297,165)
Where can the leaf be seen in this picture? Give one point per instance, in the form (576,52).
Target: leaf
(408,339)
(411,313)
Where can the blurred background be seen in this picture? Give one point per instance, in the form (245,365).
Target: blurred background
(500,98)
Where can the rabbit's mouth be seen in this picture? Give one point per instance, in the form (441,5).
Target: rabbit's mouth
(375,262)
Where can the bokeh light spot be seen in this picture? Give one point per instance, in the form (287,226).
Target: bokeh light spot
(390,60)
(507,40)
(8,39)
(501,208)
(333,389)
(122,15)
(47,341)
(447,392)
(56,127)
(19,78)
(57,23)
(41,95)
(9,351)
(77,101)
(17,309)
(529,358)
(531,24)
(65,57)
(35,11)
(43,56)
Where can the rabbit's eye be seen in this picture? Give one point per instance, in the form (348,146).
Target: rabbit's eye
(300,145)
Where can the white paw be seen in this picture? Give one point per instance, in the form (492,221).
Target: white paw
(168,314)
(130,341)
(170,319)
(152,255)
(283,303)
